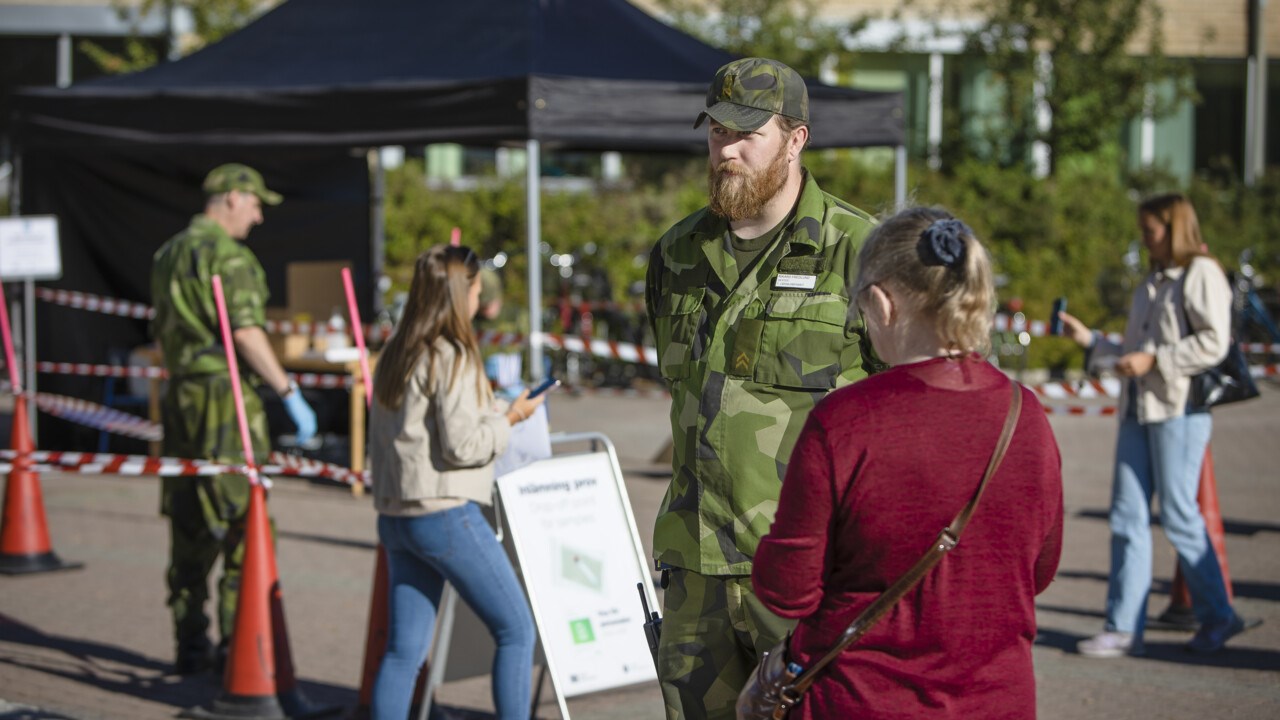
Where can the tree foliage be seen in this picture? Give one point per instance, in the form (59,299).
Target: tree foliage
(607,232)
(792,31)
(1063,235)
(211,20)
(1095,63)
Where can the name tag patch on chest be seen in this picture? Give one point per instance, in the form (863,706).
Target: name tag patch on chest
(796,282)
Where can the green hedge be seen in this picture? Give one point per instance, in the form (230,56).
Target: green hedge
(1061,236)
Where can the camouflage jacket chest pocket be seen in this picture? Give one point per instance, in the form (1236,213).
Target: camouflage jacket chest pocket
(802,340)
(676,325)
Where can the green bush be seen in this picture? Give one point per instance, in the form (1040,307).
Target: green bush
(1061,236)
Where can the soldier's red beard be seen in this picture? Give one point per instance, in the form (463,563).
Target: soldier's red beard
(736,193)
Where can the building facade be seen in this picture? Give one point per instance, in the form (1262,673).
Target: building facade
(919,49)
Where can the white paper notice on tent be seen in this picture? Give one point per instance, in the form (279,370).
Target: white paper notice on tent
(29,248)
(530,441)
(581,567)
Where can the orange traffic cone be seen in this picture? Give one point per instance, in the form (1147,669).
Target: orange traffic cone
(1179,611)
(249,684)
(24,535)
(259,682)
(292,700)
(375,642)
(375,639)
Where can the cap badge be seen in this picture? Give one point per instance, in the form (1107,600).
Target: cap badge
(726,91)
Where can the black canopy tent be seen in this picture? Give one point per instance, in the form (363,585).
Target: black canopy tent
(119,159)
(588,74)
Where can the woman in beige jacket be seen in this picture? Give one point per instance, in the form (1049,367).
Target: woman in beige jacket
(435,431)
(1179,325)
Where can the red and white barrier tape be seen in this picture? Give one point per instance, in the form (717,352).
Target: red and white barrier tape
(494,338)
(317,380)
(323,380)
(607,349)
(1085,410)
(626,352)
(1260,348)
(142,311)
(1085,389)
(278,463)
(1110,387)
(110,464)
(83,412)
(95,303)
(93,370)
(1261,371)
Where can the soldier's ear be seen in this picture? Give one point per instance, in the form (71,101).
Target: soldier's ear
(799,138)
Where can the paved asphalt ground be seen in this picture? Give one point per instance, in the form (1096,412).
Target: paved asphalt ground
(95,642)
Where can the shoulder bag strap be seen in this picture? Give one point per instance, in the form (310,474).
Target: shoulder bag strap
(946,541)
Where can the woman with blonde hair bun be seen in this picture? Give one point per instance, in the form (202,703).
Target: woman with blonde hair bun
(882,465)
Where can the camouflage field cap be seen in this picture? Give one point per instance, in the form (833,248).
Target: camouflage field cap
(234,176)
(747,92)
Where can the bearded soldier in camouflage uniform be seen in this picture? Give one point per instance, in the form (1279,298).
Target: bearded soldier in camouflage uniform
(750,309)
(206,514)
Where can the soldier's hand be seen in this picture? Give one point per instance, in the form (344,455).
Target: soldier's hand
(301,414)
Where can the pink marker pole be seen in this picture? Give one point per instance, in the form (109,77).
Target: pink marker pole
(234,368)
(455,237)
(8,344)
(358,330)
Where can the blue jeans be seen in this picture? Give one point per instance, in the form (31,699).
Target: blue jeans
(1164,458)
(455,546)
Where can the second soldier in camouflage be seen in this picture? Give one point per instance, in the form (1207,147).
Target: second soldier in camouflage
(206,514)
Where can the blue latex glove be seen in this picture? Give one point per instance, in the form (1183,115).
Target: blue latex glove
(301,414)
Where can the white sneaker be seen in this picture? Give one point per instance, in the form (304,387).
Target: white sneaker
(1110,645)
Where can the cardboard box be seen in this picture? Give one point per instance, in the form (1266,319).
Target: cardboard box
(315,288)
(287,345)
(313,293)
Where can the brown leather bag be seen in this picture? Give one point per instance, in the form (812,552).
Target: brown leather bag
(777,685)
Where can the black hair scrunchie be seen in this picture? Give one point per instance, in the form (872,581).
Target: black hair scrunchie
(942,243)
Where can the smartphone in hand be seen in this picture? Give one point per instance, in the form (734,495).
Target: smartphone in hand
(1055,322)
(544,386)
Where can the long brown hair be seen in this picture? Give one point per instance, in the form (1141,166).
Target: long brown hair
(1181,225)
(436,309)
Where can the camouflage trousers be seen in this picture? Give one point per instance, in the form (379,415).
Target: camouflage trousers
(713,633)
(206,514)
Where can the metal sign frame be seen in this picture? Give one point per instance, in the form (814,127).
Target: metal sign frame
(445,619)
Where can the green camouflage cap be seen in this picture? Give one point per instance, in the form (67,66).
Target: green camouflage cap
(747,92)
(234,176)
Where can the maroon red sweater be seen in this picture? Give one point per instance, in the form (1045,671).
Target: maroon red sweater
(879,469)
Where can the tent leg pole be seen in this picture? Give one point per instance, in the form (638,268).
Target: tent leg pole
(900,176)
(29,352)
(15,184)
(28,300)
(377,226)
(533,206)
